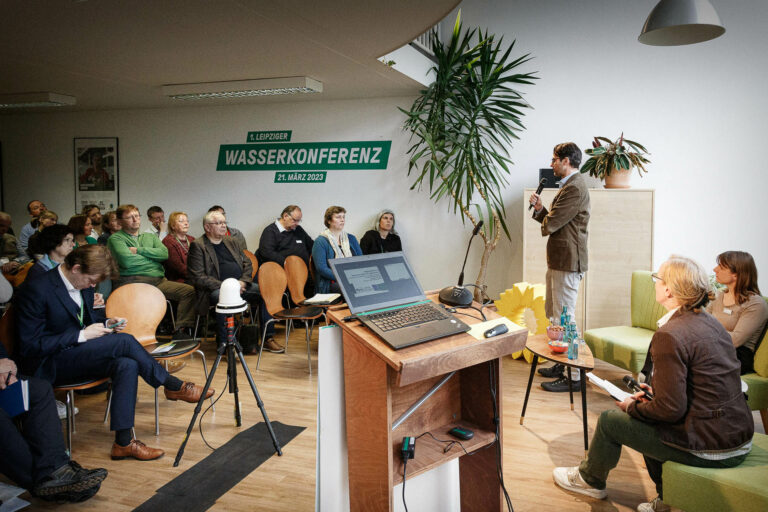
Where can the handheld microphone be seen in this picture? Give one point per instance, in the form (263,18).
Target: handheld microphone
(634,386)
(539,189)
(458,295)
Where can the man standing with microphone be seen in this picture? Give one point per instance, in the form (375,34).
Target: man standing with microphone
(566,225)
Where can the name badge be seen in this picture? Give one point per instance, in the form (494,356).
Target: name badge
(299,242)
(727,311)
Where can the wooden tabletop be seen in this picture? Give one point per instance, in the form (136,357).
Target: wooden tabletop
(436,357)
(538,344)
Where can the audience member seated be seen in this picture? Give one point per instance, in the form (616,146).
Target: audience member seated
(47,218)
(215,257)
(383,237)
(10,252)
(35,208)
(140,257)
(332,243)
(109,224)
(82,227)
(157,226)
(698,415)
(285,237)
(233,232)
(177,242)
(93,212)
(740,307)
(33,454)
(63,339)
(53,243)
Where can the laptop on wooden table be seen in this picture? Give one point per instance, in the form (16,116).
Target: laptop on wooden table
(382,291)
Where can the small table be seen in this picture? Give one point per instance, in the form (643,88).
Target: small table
(538,344)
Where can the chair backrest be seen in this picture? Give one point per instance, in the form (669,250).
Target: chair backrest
(142,305)
(297,273)
(8,330)
(645,310)
(254,262)
(312,269)
(272,283)
(761,354)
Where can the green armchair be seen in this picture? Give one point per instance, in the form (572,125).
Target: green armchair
(757,394)
(627,346)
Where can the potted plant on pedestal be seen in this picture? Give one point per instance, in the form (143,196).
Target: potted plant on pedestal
(612,161)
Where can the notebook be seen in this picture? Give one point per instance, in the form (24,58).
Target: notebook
(14,399)
(382,291)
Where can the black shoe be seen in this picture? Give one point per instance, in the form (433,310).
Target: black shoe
(70,481)
(553,371)
(182,334)
(561,385)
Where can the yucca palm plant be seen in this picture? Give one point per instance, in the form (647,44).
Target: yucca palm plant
(462,127)
(614,155)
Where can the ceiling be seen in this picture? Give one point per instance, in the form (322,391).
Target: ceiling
(113,54)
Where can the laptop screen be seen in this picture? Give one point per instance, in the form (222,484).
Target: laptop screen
(376,281)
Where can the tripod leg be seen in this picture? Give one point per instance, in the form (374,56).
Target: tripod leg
(180,453)
(232,371)
(259,402)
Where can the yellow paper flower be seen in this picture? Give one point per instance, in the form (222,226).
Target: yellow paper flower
(524,305)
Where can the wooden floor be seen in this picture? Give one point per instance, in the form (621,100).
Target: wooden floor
(551,436)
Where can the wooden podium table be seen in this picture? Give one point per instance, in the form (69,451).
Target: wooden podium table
(380,384)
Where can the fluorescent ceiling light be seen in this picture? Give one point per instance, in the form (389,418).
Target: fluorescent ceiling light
(243,88)
(679,22)
(36,99)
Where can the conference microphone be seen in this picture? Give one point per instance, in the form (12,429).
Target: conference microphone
(539,189)
(458,295)
(634,386)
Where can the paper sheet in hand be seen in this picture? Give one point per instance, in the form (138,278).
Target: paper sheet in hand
(612,390)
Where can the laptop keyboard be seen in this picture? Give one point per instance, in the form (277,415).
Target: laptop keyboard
(406,317)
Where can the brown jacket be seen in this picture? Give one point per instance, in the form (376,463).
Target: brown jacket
(566,224)
(203,265)
(698,404)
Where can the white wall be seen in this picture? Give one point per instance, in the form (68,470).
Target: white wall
(699,110)
(168,157)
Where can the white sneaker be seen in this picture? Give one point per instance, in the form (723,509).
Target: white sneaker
(656,505)
(570,480)
(62,409)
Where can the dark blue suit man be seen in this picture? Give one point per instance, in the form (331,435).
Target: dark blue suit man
(64,340)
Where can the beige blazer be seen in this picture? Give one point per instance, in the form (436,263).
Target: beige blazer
(566,225)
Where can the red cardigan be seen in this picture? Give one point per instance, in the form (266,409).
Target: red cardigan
(176,264)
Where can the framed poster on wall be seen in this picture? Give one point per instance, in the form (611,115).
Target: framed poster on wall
(96,173)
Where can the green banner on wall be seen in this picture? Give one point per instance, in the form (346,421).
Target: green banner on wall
(270,136)
(301,156)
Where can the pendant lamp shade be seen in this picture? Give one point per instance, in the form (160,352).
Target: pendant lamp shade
(679,22)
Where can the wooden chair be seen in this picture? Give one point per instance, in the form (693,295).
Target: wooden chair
(254,262)
(9,339)
(297,273)
(143,305)
(272,283)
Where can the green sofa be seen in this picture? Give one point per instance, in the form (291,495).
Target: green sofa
(627,346)
(743,488)
(757,394)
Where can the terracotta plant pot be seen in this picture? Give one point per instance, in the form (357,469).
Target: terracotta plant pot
(618,178)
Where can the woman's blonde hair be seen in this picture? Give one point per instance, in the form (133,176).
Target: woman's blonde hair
(173,218)
(687,281)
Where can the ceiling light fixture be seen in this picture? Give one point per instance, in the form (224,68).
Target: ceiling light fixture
(244,88)
(36,99)
(679,22)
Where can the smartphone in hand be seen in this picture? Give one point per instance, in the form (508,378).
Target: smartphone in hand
(117,324)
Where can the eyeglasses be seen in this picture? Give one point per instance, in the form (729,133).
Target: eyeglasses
(294,219)
(656,277)
(220,223)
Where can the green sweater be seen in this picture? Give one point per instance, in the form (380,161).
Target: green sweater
(149,255)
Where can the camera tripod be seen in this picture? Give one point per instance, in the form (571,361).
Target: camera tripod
(232,349)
